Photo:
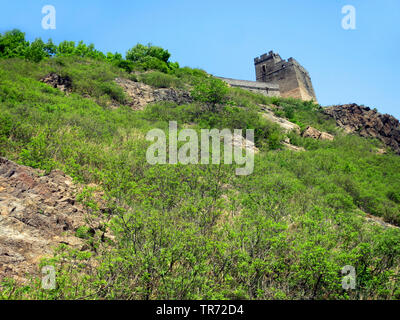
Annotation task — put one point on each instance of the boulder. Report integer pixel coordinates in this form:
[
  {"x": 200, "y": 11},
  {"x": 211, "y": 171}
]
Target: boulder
[
  {"x": 56, "y": 81},
  {"x": 311, "y": 132}
]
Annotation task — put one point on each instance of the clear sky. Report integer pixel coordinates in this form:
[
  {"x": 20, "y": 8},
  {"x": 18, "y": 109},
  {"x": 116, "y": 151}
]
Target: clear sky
[{"x": 223, "y": 37}]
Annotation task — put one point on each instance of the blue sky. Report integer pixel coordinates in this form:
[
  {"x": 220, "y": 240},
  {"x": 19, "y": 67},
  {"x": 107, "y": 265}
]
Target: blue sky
[{"x": 223, "y": 37}]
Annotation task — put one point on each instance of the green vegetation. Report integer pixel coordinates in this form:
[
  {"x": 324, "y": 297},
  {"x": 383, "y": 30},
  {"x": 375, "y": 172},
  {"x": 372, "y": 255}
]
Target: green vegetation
[
  {"x": 198, "y": 231},
  {"x": 151, "y": 58},
  {"x": 161, "y": 80},
  {"x": 140, "y": 57},
  {"x": 304, "y": 114},
  {"x": 212, "y": 92}
]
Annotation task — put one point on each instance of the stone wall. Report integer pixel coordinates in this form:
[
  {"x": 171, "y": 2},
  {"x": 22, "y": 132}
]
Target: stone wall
[{"x": 267, "y": 89}]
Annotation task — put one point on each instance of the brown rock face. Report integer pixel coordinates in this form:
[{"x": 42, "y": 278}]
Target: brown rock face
[
  {"x": 367, "y": 123},
  {"x": 56, "y": 81},
  {"x": 285, "y": 124},
  {"x": 37, "y": 213},
  {"x": 142, "y": 94},
  {"x": 311, "y": 132}
]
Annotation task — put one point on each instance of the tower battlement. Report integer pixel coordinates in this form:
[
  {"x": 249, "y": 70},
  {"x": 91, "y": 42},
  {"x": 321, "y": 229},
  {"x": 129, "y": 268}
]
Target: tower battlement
[
  {"x": 276, "y": 77},
  {"x": 293, "y": 79},
  {"x": 269, "y": 56}
]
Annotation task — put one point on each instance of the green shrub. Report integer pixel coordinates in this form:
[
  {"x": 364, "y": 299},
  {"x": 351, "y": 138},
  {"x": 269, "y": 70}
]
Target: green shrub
[
  {"x": 114, "y": 91},
  {"x": 151, "y": 58},
  {"x": 13, "y": 44},
  {"x": 38, "y": 154},
  {"x": 84, "y": 232},
  {"x": 139, "y": 52},
  {"x": 210, "y": 91},
  {"x": 394, "y": 196},
  {"x": 161, "y": 80}
]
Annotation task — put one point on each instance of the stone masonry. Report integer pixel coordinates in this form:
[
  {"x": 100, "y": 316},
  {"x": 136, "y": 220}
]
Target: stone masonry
[
  {"x": 293, "y": 80},
  {"x": 278, "y": 78},
  {"x": 267, "y": 89}
]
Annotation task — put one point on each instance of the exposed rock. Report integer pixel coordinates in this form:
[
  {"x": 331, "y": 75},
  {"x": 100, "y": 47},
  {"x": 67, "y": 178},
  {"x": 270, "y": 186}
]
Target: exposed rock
[
  {"x": 240, "y": 141},
  {"x": 286, "y": 143},
  {"x": 367, "y": 123},
  {"x": 169, "y": 94},
  {"x": 293, "y": 147},
  {"x": 379, "y": 221},
  {"x": 381, "y": 151},
  {"x": 37, "y": 213},
  {"x": 285, "y": 124},
  {"x": 142, "y": 94},
  {"x": 326, "y": 136},
  {"x": 311, "y": 132},
  {"x": 57, "y": 81}
]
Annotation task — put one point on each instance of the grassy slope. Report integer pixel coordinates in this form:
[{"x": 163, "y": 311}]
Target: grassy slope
[{"x": 199, "y": 231}]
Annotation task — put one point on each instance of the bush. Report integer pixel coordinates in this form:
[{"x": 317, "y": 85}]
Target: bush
[
  {"x": 114, "y": 91},
  {"x": 210, "y": 91},
  {"x": 139, "y": 52},
  {"x": 128, "y": 66},
  {"x": 38, "y": 154},
  {"x": 151, "y": 63},
  {"x": 13, "y": 44},
  {"x": 150, "y": 58},
  {"x": 161, "y": 80}
]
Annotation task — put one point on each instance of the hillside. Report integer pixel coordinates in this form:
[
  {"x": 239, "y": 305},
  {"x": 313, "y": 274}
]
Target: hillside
[{"x": 319, "y": 198}]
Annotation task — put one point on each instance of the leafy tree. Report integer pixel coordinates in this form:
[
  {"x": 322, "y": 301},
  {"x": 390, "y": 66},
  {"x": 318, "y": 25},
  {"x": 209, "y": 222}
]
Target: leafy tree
[
  {"x": 150, "y": 57},
  {"x": 50, "y": 48},
  {"x": 13, "y": 44},
  {"x": 36, "y": 51},
  {"x": 139, "y": 52},
  {"x": 210, "y": 91},
  {"x": 66, "y": 48}
]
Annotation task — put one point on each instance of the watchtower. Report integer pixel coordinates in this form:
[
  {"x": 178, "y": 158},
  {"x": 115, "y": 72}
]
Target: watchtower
[{"x": 293, "y": 80}]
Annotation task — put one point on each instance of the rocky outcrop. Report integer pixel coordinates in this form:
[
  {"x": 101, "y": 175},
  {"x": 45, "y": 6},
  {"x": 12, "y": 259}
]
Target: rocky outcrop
[
  {"x": 311, "y": 132},
  {"x": 367, "y": 123},
  {"x": 57, "y": 81},
  {"x": 37, "y": 213},
  {"x": 379, "y": 221},
  {"x": 285, "y": 124},
  {"x": 238, "y": 141},
  {"x": 141, "y": 94}
]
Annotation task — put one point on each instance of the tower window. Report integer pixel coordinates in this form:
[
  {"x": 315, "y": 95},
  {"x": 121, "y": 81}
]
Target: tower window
[{"x": 264, "y": 69}]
